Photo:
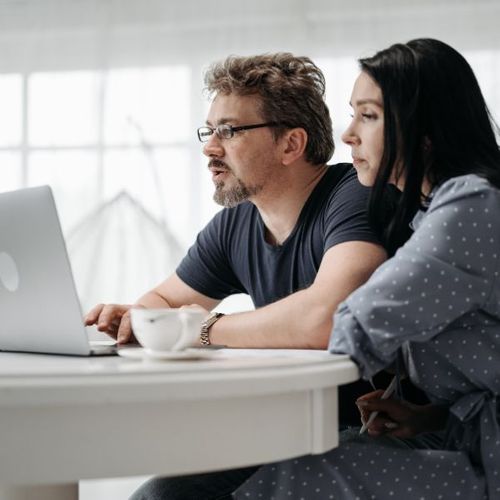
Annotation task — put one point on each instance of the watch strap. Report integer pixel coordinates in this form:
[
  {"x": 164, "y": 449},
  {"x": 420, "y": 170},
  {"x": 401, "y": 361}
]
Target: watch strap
[{"x": 205, "y": 327}]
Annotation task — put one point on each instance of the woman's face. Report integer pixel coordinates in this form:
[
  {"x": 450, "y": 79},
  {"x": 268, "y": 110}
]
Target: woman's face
[{"x": 365, "y": 134}]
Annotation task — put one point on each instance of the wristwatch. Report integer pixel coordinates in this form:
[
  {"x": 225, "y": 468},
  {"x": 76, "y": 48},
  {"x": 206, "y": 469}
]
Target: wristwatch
[{"x": 205, "y": 327}]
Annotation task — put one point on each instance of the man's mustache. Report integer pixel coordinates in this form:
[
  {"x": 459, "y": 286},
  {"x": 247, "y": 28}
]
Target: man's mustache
[{"x": 218, "y": 164}]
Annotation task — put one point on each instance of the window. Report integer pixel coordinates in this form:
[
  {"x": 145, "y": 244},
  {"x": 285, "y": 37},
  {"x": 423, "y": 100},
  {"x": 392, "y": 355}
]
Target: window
[{"x": 90, "y": 134}]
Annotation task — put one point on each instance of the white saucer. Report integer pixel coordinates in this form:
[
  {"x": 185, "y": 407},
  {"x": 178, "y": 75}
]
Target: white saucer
[{"x": 142, "y": 353}]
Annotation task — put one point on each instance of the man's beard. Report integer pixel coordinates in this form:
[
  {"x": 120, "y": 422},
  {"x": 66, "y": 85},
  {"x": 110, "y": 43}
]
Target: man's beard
[{"x": 231, "y": 197}]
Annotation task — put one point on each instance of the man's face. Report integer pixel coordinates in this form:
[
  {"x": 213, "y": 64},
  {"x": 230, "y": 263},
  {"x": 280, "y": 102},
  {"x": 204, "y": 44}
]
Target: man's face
[{"x": 242, "y": 165}]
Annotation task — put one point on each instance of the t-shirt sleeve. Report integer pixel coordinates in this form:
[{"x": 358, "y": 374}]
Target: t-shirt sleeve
[
  {"x": 206, "y": 267},
  {"x": 446, "y": 270},
  {"x": 346, "y": 217}
]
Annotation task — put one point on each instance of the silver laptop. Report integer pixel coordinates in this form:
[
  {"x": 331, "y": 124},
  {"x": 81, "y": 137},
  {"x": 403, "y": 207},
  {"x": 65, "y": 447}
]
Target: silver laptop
[{"x": 39, "y": 306}]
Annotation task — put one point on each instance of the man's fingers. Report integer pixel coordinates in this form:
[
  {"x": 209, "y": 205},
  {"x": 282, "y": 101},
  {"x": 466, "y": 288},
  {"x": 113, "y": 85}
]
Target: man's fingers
[
  {"x": 112, "y": 319},
  {"x": 112, "y": 331},
  {"x": 111, "y": 315},
  {"x": 125, "y": 329},
  {"x": 92, "y": 316},
  {"x": 108, "y": 315}
]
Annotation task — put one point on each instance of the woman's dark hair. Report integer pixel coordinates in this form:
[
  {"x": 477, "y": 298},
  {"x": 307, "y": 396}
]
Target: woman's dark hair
[{"x": 436, "y": 125}]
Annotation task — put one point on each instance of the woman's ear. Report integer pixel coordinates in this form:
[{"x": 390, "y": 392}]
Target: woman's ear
[{"x": 294, "y": 145}]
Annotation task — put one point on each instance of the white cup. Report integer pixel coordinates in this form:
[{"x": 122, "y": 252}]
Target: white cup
[{"x": 166, "y": 329}]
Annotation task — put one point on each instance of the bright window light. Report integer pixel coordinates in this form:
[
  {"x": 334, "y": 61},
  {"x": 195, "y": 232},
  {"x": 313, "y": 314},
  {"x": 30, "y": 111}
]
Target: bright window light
[
  {"x": 11, "y": 110},
  {"x": 159, "y": 180},
  {"x": 340, "y": 75},
  {"x": 10, "y": 171},
  {"x": 63, "y": 108},
  {"x": 73, "y": 176},
  {"x": 147, "y": 106},
  {"x": 486, "y": 66}
]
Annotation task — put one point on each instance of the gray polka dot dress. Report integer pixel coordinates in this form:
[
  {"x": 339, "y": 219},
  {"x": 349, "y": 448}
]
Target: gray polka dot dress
[{"x": 436, "y": 305}]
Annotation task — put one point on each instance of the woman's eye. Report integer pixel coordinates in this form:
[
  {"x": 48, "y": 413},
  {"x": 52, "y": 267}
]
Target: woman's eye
[{"x": 368, "y": 116}]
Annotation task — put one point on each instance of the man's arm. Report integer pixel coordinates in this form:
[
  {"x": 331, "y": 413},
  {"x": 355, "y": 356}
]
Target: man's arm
[
  {"x": 114, "y": 319},
  {"x": 304, "y": 319}
]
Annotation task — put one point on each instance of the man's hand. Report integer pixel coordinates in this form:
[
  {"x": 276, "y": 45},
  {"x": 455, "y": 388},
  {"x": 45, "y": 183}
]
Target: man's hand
[
  {"x": 113, "y": 319},
  {"x": 400, "y": 418}
]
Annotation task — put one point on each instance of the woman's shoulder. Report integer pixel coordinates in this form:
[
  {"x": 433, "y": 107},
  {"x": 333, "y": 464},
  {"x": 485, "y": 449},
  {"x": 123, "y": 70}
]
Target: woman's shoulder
[
  {"x": 463, "y": 184},
  {"x": 465, "y": 187},
  {"x": 466, "y": 198}
]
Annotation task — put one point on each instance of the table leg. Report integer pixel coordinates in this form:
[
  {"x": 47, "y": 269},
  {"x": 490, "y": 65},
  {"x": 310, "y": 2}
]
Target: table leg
[{"x": 40, "y": 492}]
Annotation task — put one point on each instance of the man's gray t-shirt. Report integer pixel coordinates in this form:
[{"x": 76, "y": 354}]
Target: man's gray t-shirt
[{"x": 231, "y": 255}]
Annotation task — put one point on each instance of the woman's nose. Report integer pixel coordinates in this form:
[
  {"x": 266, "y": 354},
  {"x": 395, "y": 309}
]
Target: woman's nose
[{"x": 349, "y": 136}]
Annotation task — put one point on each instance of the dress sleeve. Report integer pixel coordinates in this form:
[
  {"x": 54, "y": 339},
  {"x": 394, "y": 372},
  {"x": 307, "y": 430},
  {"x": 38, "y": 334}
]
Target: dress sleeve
[{"x": 446, "y": 269}]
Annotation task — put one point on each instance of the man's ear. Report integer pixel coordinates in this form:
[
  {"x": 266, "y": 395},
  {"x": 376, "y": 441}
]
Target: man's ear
[{"x": 294, "y": 145}]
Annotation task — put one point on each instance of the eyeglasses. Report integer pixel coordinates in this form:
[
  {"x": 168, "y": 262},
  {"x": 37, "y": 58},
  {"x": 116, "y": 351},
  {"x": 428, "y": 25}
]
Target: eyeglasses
[{"x": 227, "y": 131}]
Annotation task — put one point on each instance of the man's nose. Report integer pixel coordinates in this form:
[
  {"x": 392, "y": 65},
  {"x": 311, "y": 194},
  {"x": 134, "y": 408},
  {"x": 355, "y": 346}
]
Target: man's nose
[{"x": 213, "y": 147}]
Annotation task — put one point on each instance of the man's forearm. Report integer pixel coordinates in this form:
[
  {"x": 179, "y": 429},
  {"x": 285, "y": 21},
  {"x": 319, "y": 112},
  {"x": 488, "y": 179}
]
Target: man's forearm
[
  {"x": 296, "y": 322},
  {"x": 304, "y": 319},
  {"x": 152, "y": 300}
]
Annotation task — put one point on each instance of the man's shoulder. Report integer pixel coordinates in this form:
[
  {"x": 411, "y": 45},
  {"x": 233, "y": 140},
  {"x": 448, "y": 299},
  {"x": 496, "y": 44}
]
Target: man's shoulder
[
  {"x": 341, "y": 179},
  {"x": 340, "y": 175}
]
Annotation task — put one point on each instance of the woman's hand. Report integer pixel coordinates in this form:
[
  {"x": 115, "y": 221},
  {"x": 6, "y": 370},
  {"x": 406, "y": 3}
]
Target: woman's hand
[{"x": 400, "y": 418}]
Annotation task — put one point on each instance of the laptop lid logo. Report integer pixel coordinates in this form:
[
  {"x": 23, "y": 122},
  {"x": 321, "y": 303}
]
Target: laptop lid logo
[{"x": 9, "y": 275}]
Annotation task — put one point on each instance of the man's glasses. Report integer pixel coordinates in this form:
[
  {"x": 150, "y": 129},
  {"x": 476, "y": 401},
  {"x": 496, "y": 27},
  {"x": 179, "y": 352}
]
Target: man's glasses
[{"x": 227, "y": 131}]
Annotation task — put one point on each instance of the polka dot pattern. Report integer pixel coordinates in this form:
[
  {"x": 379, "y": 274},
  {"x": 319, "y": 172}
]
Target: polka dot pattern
[{"x": 398, "y": 470}]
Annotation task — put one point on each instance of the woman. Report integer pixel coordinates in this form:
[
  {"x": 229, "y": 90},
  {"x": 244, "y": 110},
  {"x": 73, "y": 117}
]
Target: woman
[{"x": 433, "y": 310}]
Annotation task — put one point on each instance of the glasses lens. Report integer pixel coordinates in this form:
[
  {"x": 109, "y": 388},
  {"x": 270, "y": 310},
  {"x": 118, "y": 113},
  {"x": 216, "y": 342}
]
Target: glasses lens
[
  {"x": 204, "y": 133},
  {"x": 225, "y": 131}
]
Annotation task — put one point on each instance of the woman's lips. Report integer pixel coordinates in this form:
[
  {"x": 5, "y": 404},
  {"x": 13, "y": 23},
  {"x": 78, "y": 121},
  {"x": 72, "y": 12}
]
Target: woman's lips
[{"x": 357, "y": 161}]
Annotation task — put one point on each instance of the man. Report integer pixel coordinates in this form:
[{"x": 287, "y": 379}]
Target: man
[{"x": 293, "y": 233}]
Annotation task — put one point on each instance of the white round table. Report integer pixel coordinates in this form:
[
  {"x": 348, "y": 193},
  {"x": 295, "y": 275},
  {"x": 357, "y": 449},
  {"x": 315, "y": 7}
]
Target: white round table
[{"x": 65, "y": 418}]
